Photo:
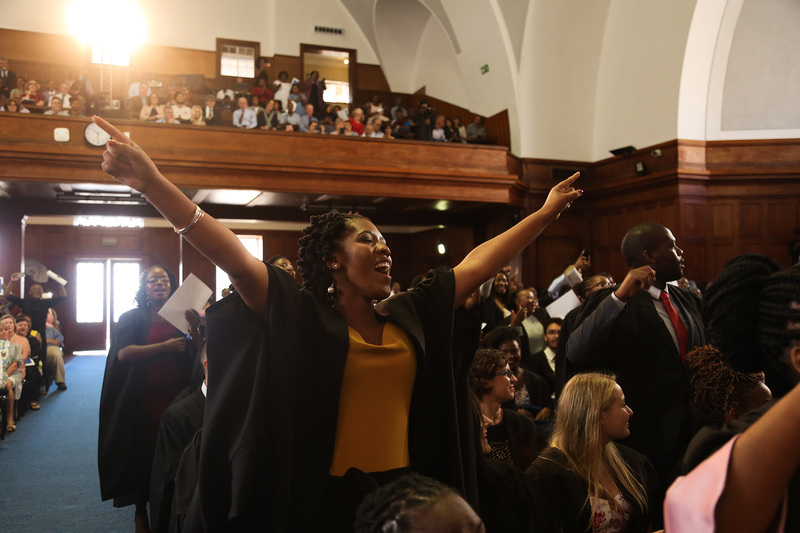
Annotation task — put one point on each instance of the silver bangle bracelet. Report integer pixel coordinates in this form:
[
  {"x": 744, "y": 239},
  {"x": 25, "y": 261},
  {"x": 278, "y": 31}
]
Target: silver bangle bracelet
[{"x": 198, "y": 214}]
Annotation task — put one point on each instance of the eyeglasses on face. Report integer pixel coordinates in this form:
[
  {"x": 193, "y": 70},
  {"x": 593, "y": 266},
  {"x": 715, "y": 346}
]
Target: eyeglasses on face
[
  {"x": 153, "y": 281},
  {"x": 507, "y": 373},
  {"x": 603, "y": 285}
]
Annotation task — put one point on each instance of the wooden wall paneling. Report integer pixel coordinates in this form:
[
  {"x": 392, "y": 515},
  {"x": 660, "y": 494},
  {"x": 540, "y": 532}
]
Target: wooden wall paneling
[
  {"x": 781, "y": 215},
  {"x": 371, "y": 78},
  {"x": 750, "y": 219},
  {"x": 693, "y": 219},
  {"x": 11, "y": 244},
  {"x": 721, "y": 252},
  {"x": 694, "y": 260},
  {"x": 197, "y": 157},
  {"x": 291, "y": 64},
  {"x": 723, "y": 223}
]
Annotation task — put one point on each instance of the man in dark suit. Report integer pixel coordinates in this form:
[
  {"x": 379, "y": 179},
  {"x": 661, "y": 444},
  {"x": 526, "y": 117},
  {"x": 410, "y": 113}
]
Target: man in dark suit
[
  {"x": 544, "y": 363},
  {"x": 8, "y": 79},
  {"x": 213, "y": 117},
  {"x": 136, "y": 103},
  {"x": 641, "y": 331}
]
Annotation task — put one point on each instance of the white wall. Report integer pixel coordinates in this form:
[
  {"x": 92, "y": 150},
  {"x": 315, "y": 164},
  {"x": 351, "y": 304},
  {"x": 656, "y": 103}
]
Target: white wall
[
  {"x": 279, "y": 25},
  {"x": 578, "y": 78},
  {"x": 638, "y": 80},
  {"x": 762, "y": 85},
  {"x": 558, "y": 78}
]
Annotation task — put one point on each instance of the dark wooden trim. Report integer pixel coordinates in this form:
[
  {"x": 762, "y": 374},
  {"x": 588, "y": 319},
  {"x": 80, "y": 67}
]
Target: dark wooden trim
[
  {"x": 352, "y": 70},
  {"x": 222, "y": 41}
]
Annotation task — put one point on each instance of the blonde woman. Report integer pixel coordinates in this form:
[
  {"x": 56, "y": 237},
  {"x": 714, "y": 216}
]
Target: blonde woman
[
  {"x": 593, "y": 483},
  {"x": 197, "y": 116}
]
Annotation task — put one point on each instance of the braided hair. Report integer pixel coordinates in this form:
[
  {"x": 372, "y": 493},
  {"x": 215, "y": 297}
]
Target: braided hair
[
  {"x": 387, "y": 509},
  {"x": 748, "y": 311},
  {"x": 319, "y": 241},
  {"x": 717, "y": 387}
]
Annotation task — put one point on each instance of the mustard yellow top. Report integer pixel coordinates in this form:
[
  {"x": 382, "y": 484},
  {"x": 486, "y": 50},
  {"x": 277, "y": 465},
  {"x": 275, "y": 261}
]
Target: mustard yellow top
[{"x": 372, "y": 427}]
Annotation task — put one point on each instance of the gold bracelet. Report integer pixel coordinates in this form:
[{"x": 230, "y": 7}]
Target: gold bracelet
[{"x": 198, "y": 214}]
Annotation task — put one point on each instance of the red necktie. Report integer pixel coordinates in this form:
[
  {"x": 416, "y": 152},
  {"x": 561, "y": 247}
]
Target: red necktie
[{"x": 677, "y": 323}]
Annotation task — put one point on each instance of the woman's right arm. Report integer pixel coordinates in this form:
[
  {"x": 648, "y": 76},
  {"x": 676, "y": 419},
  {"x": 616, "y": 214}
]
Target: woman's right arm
[
  {"x": 764, "y": 459},
  {"x": 129, "y": 164},
  {"x": 134, "y": 353}
]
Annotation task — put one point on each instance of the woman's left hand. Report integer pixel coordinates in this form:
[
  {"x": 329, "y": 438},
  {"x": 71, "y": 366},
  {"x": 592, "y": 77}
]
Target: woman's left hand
[{"x": 562, "y": 195}]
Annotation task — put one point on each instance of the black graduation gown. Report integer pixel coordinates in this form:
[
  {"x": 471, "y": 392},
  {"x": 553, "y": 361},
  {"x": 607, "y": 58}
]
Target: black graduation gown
[
  {"x": 179, "y": 423},
  {"x": 123, "y": 459},
  {"x": 268, "y": 444},
  {"x": 566, "y": 493}
]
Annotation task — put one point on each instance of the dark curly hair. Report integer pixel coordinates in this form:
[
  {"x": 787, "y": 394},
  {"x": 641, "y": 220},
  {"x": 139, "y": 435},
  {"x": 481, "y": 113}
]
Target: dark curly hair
[
  {"x": 141, "y": 294},
  {"x": 387, "y": 508},
  {"x": 717, "y": 387},
  {"x": 500, "y": 335},
  {"x": 320, "y": 239},
  {"x": 748, "y": 310},
  {"x": 487, "y": 361}
]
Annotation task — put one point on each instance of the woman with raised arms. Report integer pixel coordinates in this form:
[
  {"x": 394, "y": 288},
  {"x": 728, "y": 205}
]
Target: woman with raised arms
[{"x": 382, "y": 394}]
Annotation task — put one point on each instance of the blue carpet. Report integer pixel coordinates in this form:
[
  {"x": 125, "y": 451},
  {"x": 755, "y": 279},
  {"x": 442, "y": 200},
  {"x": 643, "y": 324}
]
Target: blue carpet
[{"x": 49, "y": 464}]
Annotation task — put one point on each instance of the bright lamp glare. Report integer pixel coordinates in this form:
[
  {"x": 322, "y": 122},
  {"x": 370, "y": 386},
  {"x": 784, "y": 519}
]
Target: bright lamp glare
[
  {"x": 118, "y": 24},
  {"x": 441, "y": 249}
]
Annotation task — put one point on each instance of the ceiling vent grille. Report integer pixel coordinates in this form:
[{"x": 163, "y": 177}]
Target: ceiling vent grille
[{"x": 325, "y": 29}]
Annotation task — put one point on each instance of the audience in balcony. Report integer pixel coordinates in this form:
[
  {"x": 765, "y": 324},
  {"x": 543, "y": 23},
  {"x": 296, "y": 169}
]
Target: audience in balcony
[
  {"x": 282, "y": 87},
  {"x": 313, "y": 90},
  {"x": 55, "y": 108},
  {"x": 462, "y": 130},
  {"x": 290, "y": 117},
  {"x": 13, "y": 107},
  {"x": 63, "y": 93},
  {"x": 197, "y": 116},
  {"x": 307, "y": 119},
  {"x": 169, "y": 117},
  {"x": 152, "y": 111},
  {"x": 183, "y": 113},
  {"x": 212, "y": 116},
  {"x": 270, "y": 116},
  {"x": 136, "y": 103},
  {"x": 263, "y": 92},
  {"x": 451, "y": 133},
  {"x": 8, "y": 79},
  {"x": 32, "y": 96},
  {"x": 267, "y": 107},
  {"x": 299, "y": 98},
  {"x": 398, "y": 106},
  {"x": 422, "y": 122},
  {"x": 476, "y": 133},
  {"x": 244, "y": 117},
  {"x": 225, "y": 92},
  {"x": 357, "y": 121},
  {"x": 438, "y": 130},
  {"x": 375, "y": 109}
]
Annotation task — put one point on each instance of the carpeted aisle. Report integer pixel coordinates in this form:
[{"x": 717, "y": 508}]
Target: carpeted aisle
[{"x": 49, "y": 464}]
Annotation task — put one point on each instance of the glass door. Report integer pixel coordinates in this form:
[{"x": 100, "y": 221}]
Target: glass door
[{"x": 104, "y": 289}]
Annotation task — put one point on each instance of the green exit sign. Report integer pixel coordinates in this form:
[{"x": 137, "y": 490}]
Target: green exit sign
[{"x": 484, "y": 69}]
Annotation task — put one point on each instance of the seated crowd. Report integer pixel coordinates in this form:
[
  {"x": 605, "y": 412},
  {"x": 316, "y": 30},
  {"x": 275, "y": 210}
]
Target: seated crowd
[
  {"x": 32, "y": 355},
  {"x": 281, "y": 106}
]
